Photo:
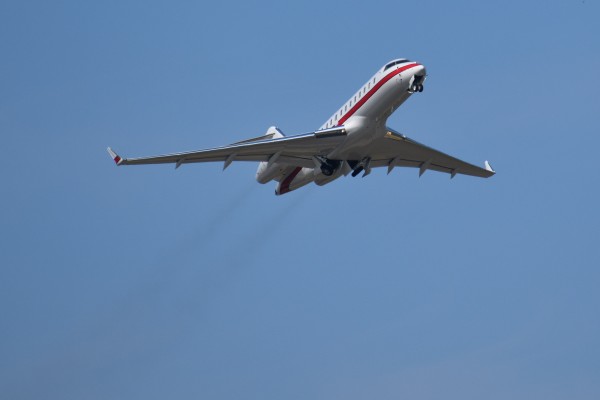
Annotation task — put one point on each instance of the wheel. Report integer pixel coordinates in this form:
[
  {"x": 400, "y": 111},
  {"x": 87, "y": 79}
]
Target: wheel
[
  {"x": 326, "y": 170},
  {"x": 357, "y": 171},
  {"x": 420, "y": 88}
]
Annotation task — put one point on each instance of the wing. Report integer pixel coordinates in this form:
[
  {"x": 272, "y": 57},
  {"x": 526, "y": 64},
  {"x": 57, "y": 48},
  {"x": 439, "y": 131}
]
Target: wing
[
  {"x": 397, "y": 150},
  {"x": 294, "y": 150}
]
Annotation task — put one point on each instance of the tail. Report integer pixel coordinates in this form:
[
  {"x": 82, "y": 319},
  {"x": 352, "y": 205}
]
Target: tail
[{"x": 273, "y": 133}]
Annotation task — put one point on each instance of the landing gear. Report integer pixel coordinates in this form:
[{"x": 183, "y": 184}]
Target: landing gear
[
  {"x": 416, "y": 84},
  {"x": 359, "y": 166},
  {"x": 327, "y": 170},
  {"x": 328, "y": 167},
  {"x": 357, "y": 171},
  {"x": 416, "y": 88}
]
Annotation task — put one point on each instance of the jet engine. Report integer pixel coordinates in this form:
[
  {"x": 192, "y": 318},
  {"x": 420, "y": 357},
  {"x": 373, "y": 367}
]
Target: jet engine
[
  {"x": 267, "y": 173},
  {"x": 270, "y": 170},
  {"x": 296, "y": 179}
]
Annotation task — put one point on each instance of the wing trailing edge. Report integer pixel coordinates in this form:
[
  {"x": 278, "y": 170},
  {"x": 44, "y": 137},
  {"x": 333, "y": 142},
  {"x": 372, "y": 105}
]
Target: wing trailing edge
[{"x": 293, "y": 150}]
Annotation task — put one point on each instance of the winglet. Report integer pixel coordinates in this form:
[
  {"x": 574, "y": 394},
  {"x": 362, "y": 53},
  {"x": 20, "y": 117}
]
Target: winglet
[
  {"x": 488, "y": 167},
  {"x": 118, "y": 160}
]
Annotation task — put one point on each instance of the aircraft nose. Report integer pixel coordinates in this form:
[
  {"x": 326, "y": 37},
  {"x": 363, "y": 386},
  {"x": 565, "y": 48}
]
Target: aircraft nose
[{"x": 420, "y": 70}]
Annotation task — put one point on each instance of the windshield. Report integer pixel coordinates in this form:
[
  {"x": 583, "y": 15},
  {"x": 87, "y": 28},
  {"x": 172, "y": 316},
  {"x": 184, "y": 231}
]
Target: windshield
[{"x": 390, "y": 65}]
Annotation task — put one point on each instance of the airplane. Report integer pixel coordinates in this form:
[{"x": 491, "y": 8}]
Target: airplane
[{"x": 354, "y": 139}]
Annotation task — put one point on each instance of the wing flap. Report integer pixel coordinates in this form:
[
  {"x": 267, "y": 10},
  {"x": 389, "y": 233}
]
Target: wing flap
[{"x": 397, "y": 150}]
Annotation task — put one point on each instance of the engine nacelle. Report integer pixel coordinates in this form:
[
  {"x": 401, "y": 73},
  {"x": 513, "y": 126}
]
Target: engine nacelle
[
  {"x": 321, "y": 179},
  {"x": 270, "y": 170},
  {"x": 296, "y": 179},
  {"x": 266, "y": 173}
]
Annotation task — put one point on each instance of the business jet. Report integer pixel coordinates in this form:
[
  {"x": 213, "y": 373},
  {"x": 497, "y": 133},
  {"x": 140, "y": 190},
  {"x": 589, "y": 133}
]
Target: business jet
[{"x": 354, "y": 139}]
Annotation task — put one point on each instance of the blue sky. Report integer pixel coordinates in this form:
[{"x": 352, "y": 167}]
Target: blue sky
[{"x": 146, "y": 282}]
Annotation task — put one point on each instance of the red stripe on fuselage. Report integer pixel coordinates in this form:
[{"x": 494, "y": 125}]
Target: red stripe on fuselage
[
  {"x": 371, "y": 92},
  {"x": 285, "y": 185}
]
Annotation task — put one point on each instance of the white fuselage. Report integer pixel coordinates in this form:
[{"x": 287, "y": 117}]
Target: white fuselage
[
  {"x": 364, "y": 118},
  {"x": 365, "y": 114}
]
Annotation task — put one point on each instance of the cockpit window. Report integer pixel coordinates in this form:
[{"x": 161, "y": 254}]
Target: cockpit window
[{"x": 390, "y": 65}]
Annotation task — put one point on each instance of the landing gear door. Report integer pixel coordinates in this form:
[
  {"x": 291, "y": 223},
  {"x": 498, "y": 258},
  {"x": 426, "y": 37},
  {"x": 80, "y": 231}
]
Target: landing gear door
[{"x": 411, "y": 83}]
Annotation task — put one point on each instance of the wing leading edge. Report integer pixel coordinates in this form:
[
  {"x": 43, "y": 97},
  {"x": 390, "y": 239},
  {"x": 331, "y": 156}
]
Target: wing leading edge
[{"x": 296, "y": 150}]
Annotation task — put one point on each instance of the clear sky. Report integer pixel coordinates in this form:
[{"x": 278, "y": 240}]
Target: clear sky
[{"x": 151, "y": 283}]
